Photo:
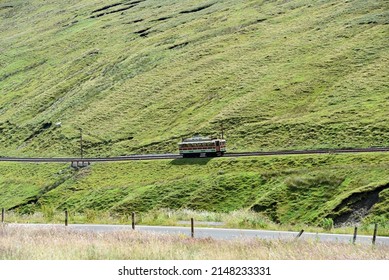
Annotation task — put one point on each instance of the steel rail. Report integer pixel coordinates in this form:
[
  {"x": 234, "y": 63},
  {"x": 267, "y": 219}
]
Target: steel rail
[
  {"x": 176, "y": 156},
  {"x": 121, "y": 158},
  {"x": 308, "y": 152}
]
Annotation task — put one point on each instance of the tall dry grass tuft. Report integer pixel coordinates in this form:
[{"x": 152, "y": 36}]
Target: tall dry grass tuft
[{"x": 60, "y": 243}]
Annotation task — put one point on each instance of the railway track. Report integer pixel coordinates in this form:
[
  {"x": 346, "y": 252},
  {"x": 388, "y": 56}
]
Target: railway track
[{"x": 176, "y": 156}]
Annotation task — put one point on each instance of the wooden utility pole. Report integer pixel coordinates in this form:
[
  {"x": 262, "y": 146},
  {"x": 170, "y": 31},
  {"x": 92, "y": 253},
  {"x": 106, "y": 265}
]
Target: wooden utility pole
[
  {"x": 222, "y": 129},
  {"x": 81, "y": 148}
]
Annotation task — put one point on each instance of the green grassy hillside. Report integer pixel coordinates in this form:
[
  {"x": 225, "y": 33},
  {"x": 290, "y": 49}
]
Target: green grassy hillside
[
  {"x": 138, "y": 75},
  {"x": 286, "y": 189}
]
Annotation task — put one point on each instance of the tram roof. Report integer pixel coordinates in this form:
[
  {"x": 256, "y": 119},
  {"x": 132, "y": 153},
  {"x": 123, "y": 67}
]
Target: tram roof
[{"x": 199, "y": 140}]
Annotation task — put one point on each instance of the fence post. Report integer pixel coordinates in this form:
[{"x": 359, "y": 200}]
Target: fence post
[
  {"x": 2, "y": 214},
  {"x": 192, "y": 227},
  {"x": 375, "y": 233},
  {"x": 300, "y": 233},
  {"x": 66, "y": 217},
  {"x": 133, "y": 220},
  {"x": 355, "y": 235}
]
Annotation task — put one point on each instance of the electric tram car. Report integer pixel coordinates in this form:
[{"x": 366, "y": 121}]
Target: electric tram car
[{"x": 202, "y": 147}]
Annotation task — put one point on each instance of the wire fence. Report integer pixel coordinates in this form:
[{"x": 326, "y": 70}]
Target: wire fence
[{"x": 192, "y": 231}]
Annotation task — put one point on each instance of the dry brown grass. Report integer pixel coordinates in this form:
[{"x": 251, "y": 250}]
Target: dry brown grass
[{"x": 59, "y": 243}]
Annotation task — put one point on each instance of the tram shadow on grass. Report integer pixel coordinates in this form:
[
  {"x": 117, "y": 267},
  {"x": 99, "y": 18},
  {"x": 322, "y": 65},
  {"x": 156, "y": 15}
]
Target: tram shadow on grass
[{"x": 190, "y": 161}]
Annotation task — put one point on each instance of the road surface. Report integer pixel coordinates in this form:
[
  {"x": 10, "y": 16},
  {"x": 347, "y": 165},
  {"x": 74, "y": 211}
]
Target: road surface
[{"x": 216, "y": 233}]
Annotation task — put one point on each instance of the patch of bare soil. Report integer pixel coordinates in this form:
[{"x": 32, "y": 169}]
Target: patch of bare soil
[{"x": 354, "y": 208}]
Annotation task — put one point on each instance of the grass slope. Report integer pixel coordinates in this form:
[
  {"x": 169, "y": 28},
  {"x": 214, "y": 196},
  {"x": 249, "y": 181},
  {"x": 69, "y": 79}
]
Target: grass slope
[
  {"x": 137, "y": 76},
  {"x": 287, "y": 189}
]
